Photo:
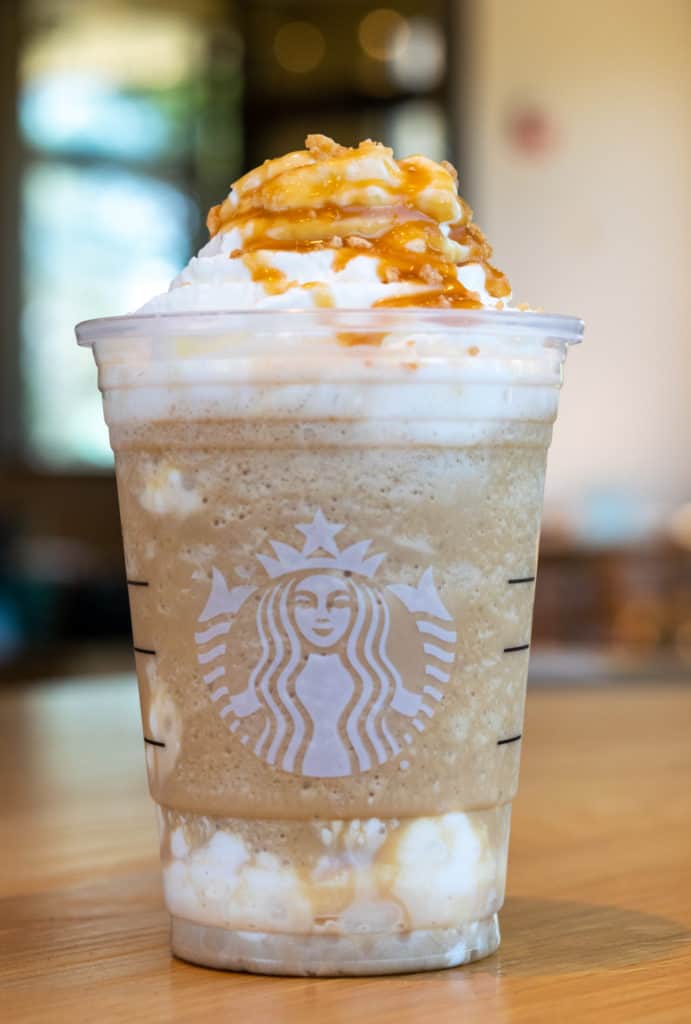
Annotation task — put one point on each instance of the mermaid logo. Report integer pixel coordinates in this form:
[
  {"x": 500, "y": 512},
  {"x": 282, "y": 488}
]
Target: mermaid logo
[{"x": 327, "y": 693}]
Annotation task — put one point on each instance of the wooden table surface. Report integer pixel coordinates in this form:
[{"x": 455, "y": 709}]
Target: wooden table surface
[{"x": 597, "y": 925}]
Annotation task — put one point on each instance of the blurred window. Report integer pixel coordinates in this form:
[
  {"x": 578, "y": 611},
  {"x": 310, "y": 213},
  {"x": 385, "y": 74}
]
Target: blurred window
[{"x": 115, "y": 114}]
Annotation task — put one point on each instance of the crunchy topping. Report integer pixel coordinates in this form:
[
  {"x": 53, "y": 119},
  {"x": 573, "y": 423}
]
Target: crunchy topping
[
  {"x": 429, "y": 275},
  {"x": 358, "y": 242},
  {"x": 214, "y": 220},
  {"x": 405, "y": 213},
  {"x": 416, "y": 245},
  {"x": 390, "y": 274},
  {"x": 323, "y": 148}
]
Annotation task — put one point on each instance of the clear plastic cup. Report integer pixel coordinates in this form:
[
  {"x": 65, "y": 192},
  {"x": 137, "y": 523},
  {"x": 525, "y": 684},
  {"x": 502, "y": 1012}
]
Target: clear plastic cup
[{"x": 330, "y": 522}]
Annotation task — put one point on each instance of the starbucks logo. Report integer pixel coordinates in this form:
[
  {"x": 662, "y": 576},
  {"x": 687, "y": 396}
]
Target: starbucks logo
[{"x": 340, "y": 682}]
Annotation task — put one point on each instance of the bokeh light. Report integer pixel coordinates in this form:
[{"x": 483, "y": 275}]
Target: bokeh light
[
  {"x": 418, "y": 55},
  {"x": 383, "y": 33},
  {"x": 299, "y": 46}
]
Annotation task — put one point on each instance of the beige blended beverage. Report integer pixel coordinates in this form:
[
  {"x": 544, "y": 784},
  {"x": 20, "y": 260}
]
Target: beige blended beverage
[{"x": 330, "y": 519}]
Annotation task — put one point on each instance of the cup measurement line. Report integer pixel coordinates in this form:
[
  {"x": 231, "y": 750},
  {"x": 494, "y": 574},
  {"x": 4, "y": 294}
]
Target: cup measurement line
[
  {"x": 154, "y": 743},
  {"x": 144, "y": 650},
  {"x": 509, "y": 739},
  {"x": 518, "y": 647},
  {"x": 523, "y": 579},
  {"x": 137, "y": 583}
]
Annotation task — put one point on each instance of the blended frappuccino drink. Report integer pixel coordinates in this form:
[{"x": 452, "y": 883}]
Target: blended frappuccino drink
[{"x": 330, "y": 443}]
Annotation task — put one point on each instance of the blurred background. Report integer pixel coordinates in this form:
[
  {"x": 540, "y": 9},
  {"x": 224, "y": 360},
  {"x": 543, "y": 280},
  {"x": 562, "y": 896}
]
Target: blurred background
[{"x": 570, "y": 126}]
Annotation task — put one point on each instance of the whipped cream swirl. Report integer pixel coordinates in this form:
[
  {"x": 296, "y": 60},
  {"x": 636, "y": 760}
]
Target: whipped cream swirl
[{"x": 333, "y": 226}]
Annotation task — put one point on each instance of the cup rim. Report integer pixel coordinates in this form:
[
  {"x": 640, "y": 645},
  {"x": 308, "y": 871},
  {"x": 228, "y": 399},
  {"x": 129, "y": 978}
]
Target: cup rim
[{"x": 567, "y": 329}]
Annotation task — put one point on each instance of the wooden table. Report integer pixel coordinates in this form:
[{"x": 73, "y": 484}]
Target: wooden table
[{"x": 597, "y": 926}]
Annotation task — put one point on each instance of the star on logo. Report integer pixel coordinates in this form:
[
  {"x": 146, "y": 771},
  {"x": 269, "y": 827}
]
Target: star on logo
[
  {"x": 320, "y": 551},
  {"x": 319, "y": 534}
]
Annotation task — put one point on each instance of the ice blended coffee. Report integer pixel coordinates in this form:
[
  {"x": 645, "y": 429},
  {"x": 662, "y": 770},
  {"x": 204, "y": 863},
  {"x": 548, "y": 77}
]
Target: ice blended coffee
[{"x": 330, "y": 440}]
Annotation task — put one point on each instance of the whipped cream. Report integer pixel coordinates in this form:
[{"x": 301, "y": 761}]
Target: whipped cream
[
  {"x": 331, "y": 226},
  {"x": 364, "y": 878}
]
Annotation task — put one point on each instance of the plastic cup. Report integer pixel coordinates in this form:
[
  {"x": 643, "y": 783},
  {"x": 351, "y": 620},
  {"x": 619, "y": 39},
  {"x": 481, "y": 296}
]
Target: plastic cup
[{"x": 330, "y": 521}]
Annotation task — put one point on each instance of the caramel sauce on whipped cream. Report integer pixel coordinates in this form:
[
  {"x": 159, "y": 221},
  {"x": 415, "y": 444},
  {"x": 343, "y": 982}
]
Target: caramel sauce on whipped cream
[{"x": 359, "y": 201}]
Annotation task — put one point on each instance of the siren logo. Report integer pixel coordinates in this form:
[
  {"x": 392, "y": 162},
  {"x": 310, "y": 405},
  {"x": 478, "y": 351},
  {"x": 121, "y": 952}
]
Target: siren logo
[{"x": 329, "y": 691}]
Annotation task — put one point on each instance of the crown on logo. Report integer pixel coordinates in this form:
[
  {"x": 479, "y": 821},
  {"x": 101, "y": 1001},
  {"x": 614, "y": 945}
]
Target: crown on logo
[{"x": 319, "y": 537}]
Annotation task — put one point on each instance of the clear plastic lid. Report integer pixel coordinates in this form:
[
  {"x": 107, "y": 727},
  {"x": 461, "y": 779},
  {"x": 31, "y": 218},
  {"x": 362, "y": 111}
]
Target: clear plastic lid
[{"x": 499, "y": 323}]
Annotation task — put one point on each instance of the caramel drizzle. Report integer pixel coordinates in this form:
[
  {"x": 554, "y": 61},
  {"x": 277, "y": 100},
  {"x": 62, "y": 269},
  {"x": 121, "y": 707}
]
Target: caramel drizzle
[
  {"x": 323, "y": 226},
  {"x": 275, "y": 282}
]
